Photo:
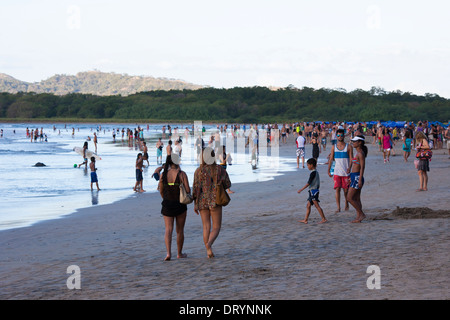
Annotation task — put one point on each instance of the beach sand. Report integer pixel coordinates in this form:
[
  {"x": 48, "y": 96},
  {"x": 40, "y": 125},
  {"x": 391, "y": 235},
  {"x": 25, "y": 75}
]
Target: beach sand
[{"x": 262, "y": 252}]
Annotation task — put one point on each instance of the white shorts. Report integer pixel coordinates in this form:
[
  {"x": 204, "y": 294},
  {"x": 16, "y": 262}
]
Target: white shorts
[{"x": 300, "y": 152}]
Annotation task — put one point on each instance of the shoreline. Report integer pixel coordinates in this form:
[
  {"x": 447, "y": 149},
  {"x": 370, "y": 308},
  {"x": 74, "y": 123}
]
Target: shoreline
[
  {"x": 100, "y": 121},
  {"x": 262, "y": 252},
  {"x": 113, "y": 196},
  {"x": 109, "y": 121},
  {"x": 57, "y": 205}
]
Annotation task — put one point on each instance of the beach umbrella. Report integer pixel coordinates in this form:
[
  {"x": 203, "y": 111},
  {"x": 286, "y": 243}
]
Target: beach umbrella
[{"x": 391, "y": 124}]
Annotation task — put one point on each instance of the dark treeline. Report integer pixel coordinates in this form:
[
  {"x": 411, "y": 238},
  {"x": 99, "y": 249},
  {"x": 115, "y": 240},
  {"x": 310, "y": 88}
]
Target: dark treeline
[{"x": 255, "y": 104}]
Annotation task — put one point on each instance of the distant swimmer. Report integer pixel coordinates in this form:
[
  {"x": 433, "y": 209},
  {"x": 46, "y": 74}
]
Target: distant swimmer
[
  {"x": 178, "y": 149},
  {"x": 159, "y": 149},
  {"x": 39, "y": 164},
  {"x": 145, "y": 151},
  {"x": 95, "y": 142}
]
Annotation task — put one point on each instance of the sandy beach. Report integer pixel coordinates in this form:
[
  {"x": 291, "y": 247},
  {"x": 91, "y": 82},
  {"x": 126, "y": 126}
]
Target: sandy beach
[{"x": 262, "y": 252}]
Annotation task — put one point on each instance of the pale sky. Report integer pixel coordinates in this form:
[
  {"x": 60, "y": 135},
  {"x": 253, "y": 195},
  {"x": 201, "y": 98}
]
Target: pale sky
[{"x": 354, "y": 44}]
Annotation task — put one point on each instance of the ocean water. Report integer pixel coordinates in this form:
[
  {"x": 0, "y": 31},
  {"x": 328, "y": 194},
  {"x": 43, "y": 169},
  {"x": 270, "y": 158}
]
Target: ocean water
[{"x": 30, "y": 194}]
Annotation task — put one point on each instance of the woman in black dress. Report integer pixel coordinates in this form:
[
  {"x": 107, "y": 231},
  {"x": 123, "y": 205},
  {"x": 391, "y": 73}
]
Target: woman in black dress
[
  {"x": 315, "y": 147},
  {"x": 172, "y": 210}
]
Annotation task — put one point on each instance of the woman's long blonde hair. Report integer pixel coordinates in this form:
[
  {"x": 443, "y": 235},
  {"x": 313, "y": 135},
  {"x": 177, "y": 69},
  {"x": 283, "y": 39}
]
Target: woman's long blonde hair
[{"x": 420, "y": 136}]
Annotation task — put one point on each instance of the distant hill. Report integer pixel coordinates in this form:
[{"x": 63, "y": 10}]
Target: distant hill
[{"x": 94, "y": 82}]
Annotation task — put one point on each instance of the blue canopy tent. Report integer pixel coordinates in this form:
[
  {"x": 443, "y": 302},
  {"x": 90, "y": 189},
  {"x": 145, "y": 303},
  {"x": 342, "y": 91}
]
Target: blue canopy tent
[{"x": 393, "y": 124}]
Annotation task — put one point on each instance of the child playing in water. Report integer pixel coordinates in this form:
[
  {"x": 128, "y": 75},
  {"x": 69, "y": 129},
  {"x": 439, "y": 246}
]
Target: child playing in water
[
  {"x": 313, "y": 184},
  {"x": 93, "y": 173}
]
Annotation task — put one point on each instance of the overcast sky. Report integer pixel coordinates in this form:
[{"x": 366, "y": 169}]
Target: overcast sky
[{"x": 396, "y": 45}]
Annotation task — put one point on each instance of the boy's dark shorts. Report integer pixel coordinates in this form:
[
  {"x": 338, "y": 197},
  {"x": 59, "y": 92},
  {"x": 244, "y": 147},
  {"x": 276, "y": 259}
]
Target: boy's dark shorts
[
  {"x": 139, "y": 175},
  {"x": 94, "y": 177},
  {"x": 313, "y": 196}
]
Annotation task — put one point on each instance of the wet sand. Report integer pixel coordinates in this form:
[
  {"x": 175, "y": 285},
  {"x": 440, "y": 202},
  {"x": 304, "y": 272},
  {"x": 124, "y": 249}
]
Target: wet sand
[{"x": 262, "y": 252}]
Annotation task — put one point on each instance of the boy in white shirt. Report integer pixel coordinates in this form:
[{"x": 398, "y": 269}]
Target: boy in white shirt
[{"x": 300, "y": 149}]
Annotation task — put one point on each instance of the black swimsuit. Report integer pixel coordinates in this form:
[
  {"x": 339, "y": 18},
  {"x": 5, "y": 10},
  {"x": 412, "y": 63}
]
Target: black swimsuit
[{"x": 171, "y": 206}]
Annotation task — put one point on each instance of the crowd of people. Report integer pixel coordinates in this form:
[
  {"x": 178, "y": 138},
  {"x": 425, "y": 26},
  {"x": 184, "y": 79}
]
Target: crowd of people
[{"x": 346, "y": 164}]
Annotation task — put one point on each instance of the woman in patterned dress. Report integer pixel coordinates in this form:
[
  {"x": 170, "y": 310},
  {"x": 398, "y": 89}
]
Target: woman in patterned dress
[{"x": 204, "y": 194}]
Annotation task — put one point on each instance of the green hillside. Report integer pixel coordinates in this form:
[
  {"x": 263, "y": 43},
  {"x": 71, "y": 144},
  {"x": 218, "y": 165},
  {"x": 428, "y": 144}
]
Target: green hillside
[
  {"x": 93, "y": 82},
  {"x": 255, "y": 104}
]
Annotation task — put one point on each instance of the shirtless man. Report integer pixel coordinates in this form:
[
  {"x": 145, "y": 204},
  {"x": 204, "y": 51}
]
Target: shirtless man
[
  {"x": 94, "y": 178},
  {"x": 169, "y": 148},
  {"x": 145, "y": 151},
  {"x": 95, "y": 142},
  {"x": 323, "y": 139},
  {"x": 308, "y": 131},
  {"x": 283, "y": 134},
  {"x": 138, "y": 187}
]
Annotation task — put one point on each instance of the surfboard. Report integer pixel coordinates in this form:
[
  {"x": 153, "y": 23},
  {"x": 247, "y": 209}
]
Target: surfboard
[{"x": 89, "y": 153}]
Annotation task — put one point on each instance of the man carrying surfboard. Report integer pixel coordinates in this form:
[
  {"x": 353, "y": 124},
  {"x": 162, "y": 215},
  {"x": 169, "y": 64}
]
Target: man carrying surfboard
[{"x": 85, "y": 147}]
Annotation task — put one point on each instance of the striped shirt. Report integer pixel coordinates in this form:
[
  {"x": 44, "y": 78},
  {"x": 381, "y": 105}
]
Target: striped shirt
[{"x": 342, "y": 160}]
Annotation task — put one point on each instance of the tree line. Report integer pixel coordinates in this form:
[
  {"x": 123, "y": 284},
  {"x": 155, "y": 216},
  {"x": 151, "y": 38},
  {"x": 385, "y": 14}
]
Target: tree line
[{"x": 240, "y": 104}]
